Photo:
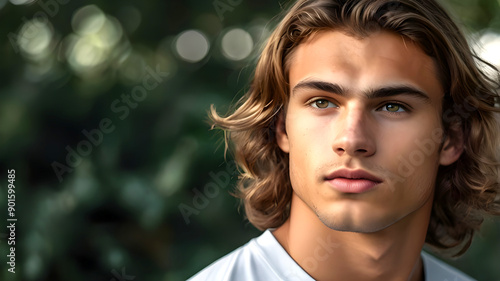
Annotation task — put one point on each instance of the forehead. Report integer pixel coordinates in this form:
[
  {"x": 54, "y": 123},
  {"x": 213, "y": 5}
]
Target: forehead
[{"x": 380, "y": 59}]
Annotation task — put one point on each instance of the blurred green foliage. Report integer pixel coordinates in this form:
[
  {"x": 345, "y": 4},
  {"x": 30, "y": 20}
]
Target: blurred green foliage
[{"x": 106, "y": 163}]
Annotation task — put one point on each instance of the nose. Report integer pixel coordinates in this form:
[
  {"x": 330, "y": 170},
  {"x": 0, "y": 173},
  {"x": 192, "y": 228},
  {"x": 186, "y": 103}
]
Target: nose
[{"x": 354, "y": 133}]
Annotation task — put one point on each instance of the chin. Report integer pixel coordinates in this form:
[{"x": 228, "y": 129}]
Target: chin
[{"x": 363, "y": 225}]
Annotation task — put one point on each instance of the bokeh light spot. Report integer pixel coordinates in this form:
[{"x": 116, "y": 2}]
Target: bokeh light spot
[
  {"x": 33, "y": 266},
  {"x": 192, "y": 46},
  {"x": 88, "y": 20},
  {"x": 237, "y": 44},
  {"x": 21, "y": 2},
  {"x": 97, "y": 41},
  {"x": 490, "y": 50},
  {"x": 486, "y": 46},
  {"x": 34, "y": 38},
  {"x": 115, "y": 257},
  {"x": 85, "y": 55},
  {"x": 110, "y": 33}
]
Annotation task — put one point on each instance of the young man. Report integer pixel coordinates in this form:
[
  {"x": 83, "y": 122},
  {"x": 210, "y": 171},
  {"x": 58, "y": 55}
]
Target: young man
[{"x": 368, "y": 131}]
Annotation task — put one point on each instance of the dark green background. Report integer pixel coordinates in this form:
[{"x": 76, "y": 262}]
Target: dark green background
[{"x": 118, "y": 210}]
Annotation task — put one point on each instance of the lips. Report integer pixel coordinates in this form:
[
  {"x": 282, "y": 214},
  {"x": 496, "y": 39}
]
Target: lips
[{"x": 352, "y": 181}]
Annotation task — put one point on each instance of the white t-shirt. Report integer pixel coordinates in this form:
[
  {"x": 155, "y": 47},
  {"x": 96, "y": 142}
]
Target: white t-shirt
[{"x": 264, "y": 259}]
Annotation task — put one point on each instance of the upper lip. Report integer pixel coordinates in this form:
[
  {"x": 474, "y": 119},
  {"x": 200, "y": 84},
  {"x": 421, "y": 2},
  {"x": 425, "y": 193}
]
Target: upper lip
[{"x": 352, "y": 174}]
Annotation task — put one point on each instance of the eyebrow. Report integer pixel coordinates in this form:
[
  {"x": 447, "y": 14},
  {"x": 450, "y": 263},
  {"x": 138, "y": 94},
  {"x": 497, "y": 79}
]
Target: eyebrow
[{"x": 383, "y": 92}]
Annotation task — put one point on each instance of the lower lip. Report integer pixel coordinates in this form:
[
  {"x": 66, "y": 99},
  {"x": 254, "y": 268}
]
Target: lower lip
[{"x": 352, "y": 185}]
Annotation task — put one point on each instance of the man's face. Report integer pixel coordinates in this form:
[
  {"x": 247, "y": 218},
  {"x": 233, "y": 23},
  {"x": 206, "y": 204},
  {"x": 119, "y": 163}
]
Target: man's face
[{"x": 363, "y": 129}]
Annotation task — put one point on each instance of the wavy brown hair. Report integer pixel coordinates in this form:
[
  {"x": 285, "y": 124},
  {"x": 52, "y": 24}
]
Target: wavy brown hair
[{"x": 465, "y": 191}]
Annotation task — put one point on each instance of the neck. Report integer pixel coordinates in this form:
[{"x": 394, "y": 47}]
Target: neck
[{"x": 389, "y": 254}]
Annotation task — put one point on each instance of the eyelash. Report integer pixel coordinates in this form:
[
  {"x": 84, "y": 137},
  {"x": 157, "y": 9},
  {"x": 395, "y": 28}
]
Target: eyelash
[
  {"x": 312, "y": 103},
  {"x": 403, "y": 106}
]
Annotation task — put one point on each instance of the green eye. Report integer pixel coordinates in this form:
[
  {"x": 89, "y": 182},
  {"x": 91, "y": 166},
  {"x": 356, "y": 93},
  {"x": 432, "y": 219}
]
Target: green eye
[
  {"x": 394, "y": 107},
  {"x": 322, "y": 103}
]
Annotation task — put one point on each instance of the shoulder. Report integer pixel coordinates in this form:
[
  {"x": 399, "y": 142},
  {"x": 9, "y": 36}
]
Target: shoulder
[
  {"x": 227, "y": 267},
  {"x": 436, "y": 270},
  {"x": 240, "y": 263},
  {"x": 262, "y": 258}
]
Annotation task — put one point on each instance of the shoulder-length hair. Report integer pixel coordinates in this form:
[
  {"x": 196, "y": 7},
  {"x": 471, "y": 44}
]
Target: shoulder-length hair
[{"x": 465, "y": 191}]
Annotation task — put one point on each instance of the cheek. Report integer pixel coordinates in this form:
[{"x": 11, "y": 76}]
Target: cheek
[
  {"x": 301, "y": 154},
  {"x": 309, "y": 148},
  {"x": 308, "y": 134},
  {"x": 412, "y": 154},
  {"x": 305, "y": 157},
  {"x": 416, "y": 160},
  {"x": 299, "y": 177},
  {"x": 422, "y": 183},
  {"x": 418, "y": 141}
]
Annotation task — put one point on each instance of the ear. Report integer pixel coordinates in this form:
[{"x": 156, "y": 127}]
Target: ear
[
  {"x": 452, "y": 148},
  {"x": 281, "y": 135}
]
